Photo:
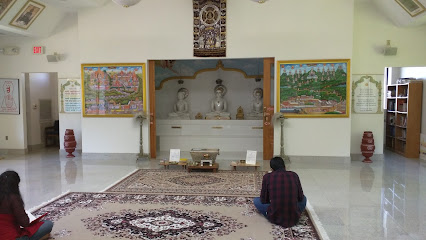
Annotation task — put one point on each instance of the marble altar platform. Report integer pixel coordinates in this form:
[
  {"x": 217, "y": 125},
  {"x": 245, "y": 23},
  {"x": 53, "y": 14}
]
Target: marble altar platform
[{"x": 226, "y": 135}]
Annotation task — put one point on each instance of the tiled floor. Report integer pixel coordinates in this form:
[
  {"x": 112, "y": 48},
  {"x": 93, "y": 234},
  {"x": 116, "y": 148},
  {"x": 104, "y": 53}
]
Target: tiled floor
[{"x": 382, "y": 200}]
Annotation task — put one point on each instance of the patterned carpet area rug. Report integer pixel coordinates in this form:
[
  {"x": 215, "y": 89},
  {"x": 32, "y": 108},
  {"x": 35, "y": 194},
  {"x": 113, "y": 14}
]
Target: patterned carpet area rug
[
  {"x": 223, "y": 183},
  {"x": 157, "y": 216}
]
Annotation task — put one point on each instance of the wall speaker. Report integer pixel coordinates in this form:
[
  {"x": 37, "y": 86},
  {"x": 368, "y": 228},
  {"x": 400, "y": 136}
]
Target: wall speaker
[
  {"x": 53, "y": 58},
  {"x": 390, "y": 51}
]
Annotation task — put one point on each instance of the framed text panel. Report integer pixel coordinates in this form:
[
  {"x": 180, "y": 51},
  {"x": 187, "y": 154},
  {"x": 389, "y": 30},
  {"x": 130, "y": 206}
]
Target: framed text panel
[
  {"x": 70, "y": 92},
  {"x": 367, "y": 93}
]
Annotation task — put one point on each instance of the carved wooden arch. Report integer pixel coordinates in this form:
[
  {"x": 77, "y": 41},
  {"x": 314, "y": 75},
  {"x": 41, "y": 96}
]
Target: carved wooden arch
[{"x": 219, "y": 65}]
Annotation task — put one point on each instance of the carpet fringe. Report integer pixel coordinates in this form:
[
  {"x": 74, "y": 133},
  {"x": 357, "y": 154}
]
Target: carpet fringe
[
  {"x": 317, "y": 223},
  {"x": 119, "y": 180},
  {"x": 47, "y": 202}
]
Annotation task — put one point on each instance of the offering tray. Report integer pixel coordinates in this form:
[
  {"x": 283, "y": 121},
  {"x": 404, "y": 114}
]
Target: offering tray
[{"x": 199, "y": 154}]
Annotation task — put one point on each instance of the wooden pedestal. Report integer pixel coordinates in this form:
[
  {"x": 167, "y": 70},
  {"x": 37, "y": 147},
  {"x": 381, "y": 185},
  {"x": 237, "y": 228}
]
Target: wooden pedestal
[
  {"x": 235, "y": 165},
  {"x": 213, "y": 168}
]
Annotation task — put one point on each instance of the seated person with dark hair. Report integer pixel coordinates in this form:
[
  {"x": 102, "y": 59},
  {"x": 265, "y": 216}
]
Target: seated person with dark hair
[{"x": 281, "y": 199}]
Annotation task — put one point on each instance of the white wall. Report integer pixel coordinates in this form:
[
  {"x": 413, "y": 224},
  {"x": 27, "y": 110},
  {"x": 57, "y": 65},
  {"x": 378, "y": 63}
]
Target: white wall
[
  {"x": 326, "y": 29},
  {"x": 64, "y": 41},
  {"x": 14, "y": 126},
  {"x": 275, "y": 29},
  {"x": 371, "y": 30}
]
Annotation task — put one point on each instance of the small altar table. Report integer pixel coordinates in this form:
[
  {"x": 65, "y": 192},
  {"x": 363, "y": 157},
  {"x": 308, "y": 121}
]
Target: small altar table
[
  {"x": 167, "y": 164},
  {"x": 234, "y": 165},
  {"x": 213, "y": 167}
]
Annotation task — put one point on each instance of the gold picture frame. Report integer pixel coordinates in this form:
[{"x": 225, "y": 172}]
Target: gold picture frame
[
  {"x": 5, "y": 5},
  {"x": 412, "y": 7},
  {"x": 113, "y": 89},
  {"x": 313, "y": 88},
  {"x": 27, "y": 15}
]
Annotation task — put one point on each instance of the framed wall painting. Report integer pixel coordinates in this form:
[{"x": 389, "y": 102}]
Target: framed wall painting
[
  {"x": 5, "y": 5},
  {"x": 367, "y": 93},
  {"x": 113, "y": 89},
  {"x": 412, "y": 7},
  {"x": 9, "y": 96},
  {"x": 26, "y": 16},
  {"x": 313, "y": 88}
]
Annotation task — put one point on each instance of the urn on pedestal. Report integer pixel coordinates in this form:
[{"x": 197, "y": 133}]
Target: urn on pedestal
[
  {"x": 367, "y": 146},
  {"x": 69, "y": 142}
]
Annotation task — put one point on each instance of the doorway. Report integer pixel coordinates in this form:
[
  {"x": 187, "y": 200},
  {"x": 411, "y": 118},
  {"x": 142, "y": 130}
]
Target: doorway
[
  {"x": 41, "y": 98},
  {"x": 185, "y": 74}
]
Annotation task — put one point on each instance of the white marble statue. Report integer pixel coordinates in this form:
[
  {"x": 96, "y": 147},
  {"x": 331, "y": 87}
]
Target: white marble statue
[
  {"x": 219, "y": 105},
  {"x": 257, "y": 105},
  {"x": 181, "y": 108}
]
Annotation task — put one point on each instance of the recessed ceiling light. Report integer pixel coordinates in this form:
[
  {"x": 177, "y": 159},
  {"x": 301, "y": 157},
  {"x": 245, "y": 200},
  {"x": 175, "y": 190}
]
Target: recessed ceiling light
[
  {"x": 126, "y": 3},
  {"x": 260, "y": 1}
]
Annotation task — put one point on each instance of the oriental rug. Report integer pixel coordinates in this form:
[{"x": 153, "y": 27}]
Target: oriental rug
[
  {"x": 221, "y": 183},
  {"x": 78, "y": 215}
]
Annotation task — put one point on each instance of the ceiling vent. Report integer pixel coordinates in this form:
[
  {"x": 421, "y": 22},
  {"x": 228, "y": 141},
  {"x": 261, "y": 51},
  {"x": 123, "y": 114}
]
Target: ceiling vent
[{"x": 412, "y": 7}]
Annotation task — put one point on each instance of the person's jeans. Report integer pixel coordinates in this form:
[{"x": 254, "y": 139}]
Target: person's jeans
[
  {"x": 43, "y": 230},
  {"x": 302, "y": 204},
  {"x": 263, "y": 207}
]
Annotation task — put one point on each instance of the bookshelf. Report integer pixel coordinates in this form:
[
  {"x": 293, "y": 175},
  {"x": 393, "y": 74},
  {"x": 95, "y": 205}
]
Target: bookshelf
[{"x": 403, "y": 118}]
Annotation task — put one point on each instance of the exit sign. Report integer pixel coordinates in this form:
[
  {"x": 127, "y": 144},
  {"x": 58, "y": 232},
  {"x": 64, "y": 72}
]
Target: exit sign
[{"x": 38, "y": 50}]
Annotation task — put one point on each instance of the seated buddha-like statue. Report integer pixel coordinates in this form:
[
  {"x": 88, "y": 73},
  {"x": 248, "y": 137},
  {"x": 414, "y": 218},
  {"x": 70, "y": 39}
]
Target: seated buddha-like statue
[
  {"x": 257, "y": 105},
  {"x": 219, "y": 105},
  {"x": 181, "y": 109}
]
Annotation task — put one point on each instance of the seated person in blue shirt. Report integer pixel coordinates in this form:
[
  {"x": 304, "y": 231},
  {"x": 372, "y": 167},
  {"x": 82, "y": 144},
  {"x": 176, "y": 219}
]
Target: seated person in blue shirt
[{"x": 281, "y": 199}]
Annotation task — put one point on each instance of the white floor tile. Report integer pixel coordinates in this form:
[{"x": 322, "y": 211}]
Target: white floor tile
[{"x": 353, "y": 200}]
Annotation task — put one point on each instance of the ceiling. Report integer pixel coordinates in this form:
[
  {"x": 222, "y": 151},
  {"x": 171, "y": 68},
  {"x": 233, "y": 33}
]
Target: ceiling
[
  {"x": 57, "y": 9},
  {"x": 397, "y": 14},
  {"x": 75, "y": 5}
]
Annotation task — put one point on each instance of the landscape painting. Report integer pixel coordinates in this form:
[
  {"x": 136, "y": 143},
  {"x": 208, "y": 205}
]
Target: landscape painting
[
  {"x": 313, "y": 88},
  {"x": 113, "y": 90}
]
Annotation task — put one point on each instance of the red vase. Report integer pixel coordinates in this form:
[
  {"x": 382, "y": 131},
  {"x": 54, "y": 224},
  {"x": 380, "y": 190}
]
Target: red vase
[
  {"x": 367, "y": 146},
  {"x": 69, "y": 142}
]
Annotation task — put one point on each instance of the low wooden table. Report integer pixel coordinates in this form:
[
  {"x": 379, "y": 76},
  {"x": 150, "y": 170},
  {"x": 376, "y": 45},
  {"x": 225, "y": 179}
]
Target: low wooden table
[
  {"x": 213, "y": 167},
  {"x": 237, "y": 164},
  {"x": 167, "y": 164}
]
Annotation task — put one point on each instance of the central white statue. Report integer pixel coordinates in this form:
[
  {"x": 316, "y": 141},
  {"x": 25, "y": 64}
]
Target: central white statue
[
  {"x": 257, "y": 105},
  {"x": 219, "y": 105},
  {"x": 181, "y": 109}
]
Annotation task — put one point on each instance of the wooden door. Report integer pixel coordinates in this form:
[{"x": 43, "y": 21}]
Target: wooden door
[
  {"x": 151, "y": 119},
  {"x": 268, "y": 110}
]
